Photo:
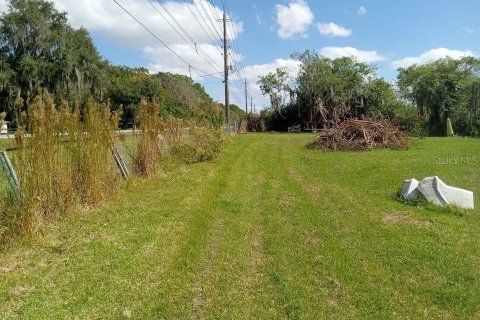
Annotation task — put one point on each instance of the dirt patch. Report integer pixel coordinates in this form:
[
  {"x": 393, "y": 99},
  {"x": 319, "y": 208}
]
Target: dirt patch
[
  {"x": 401, "y": 218},
  {"x": 258, "y": 257},
  {"x": 287, "y": 198},
  {"x": 18, "y": 290},
  {"x": 311, "y": 240}
]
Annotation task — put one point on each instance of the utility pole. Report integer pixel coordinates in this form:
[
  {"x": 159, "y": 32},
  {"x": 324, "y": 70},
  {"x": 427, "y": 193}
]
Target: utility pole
[
  {"x": 251, "y": 104},
  {"x": 246, "y": 97},
  {"x": 225, "y": 56}
]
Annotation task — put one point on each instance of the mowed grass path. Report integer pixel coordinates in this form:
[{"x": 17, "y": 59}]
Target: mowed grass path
[{"x": 270, "y": 230}]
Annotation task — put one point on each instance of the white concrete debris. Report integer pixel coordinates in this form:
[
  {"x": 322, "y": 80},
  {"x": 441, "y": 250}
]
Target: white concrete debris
[
  {"x": 435, "y": 191},
  {"x": 409, "y": 189}
]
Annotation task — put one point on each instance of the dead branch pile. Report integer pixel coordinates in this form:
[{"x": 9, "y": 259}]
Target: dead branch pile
[{"x": 362, "y": 134}]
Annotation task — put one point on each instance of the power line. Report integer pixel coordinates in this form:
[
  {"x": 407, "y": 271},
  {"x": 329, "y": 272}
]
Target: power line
[
  {"x": 188, "y": 35},
  {"x": 158, "y": 39},
  {"x": 236, "y": 59},
  {"x": 208, "y": 75},
  {"x": 233, "y": 32},
  {"x": 200, "y": 52},
  {"x": 201, "y": 25},
  {"x": 219, "y": 39},
  {"x": 212, "y": 21},
  {"x": 196, "y": 48}
]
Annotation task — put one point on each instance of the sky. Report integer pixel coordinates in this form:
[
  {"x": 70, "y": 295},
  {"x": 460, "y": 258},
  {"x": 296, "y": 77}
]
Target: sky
[{"x": 263, "y": 35}]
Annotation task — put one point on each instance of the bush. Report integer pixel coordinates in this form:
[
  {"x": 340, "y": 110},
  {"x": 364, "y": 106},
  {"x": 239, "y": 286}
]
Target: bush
[
  {"x": 281, "y": 119},
  {"x": 202, "y": 144},
  {"x": 412, "y": 123}
]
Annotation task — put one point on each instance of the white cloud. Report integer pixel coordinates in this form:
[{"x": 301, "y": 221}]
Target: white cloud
[
  {"x": 107, "y": 18},
  {"x": 430, "y": 56},
  {"x": 362, "y": 11},
  {"x": 3, "y": 6},
  {"x": 294, "y": 19},
  {"x": 469, "y": 31},
  {"x": 361, "y": 55},
  {"x": 253, "y": 73},
  {"x": 333, "y": 30}
]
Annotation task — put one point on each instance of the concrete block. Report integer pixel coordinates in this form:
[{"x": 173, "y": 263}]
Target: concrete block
[{"x": 435, "y": 191}]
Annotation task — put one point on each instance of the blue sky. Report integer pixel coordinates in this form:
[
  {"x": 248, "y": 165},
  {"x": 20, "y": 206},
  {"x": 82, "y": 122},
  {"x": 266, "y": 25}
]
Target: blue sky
[{"x": 388, "y": 34}]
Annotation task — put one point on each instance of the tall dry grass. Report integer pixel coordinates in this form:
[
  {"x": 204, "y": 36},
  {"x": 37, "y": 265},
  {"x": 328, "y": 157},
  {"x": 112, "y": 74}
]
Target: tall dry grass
[
  {"x": 173, "y": 133},
  {"x": 63, "y": 161},
  {"x": 149, "y": 148},
  {"x": 94, "y": 164}
]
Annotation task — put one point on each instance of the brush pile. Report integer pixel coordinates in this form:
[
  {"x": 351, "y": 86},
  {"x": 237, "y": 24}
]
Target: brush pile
[{"x": 362, "y": 134}]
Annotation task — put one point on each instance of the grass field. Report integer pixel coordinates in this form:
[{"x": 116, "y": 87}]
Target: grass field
[{"x": 270, "y": 230}]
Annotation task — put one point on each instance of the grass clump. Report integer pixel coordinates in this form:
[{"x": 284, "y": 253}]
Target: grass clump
[
  {"x": 64, "y": 157},
  {"x": 173, "y": 132},
  {"x": 95, "y": 168},
  {"x": 63, "y": 161},
  {"x": 148, "y": 148}
]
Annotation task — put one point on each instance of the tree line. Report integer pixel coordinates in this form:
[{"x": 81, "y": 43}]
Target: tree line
[
  {"x": 423, "y": 99},
  {"x": 41, "y": 53}
]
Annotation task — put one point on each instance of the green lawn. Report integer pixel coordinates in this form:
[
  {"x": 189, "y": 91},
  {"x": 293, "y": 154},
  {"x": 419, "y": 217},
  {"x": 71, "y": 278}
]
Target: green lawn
[{"x": 270, "y": 230}]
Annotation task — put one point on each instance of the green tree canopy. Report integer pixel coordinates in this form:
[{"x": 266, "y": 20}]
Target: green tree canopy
[
  {"x": 446, "y": 88},
  {"x": 334, "y": 88},
  {"x": 41, "y": 52},
  {"x": 327, "y": 89}
]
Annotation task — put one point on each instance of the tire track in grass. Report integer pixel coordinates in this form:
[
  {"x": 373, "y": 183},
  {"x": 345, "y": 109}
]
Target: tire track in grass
[
  {"x": 314, "y": 222},
  {"x": 240, "y": 288},
  {"x": 210, "y": 284},
  {"x": 358, "y": 288},
  {"x": 197, "y": 251},
  {"x": 199, "y": 299},
  {"x": 296, "y": 251},
  {"x": 332, "y": 224},
  {"x": 254, "y": 282}
]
